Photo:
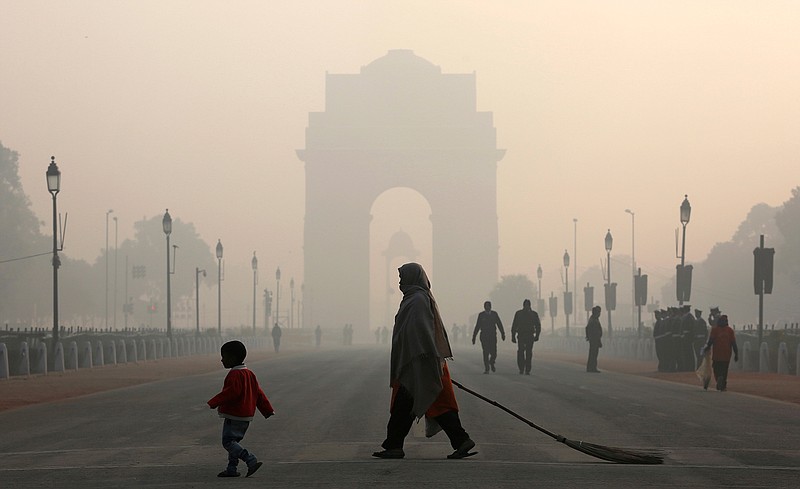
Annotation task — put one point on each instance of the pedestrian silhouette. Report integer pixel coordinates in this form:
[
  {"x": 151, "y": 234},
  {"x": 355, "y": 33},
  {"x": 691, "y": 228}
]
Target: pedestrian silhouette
[
  {"x": 594, "y": 332},
  {"x": 525, "y": 331},
  {"x": 419, "y": 377},
  {"x": 487, "y": 324}
]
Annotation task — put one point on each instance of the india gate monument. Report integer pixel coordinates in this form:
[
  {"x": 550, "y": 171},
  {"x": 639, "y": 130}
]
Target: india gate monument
[{"x": 399, "y": 123}]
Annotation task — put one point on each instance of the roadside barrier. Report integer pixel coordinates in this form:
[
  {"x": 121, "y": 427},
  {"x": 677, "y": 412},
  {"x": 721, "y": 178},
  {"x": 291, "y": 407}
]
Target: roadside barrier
[
  {"x": 24, "y": 359},
  {"x": 122, "y": 355},
  {"x": 97, "y": 357},
  {"x": 783, "y": 359},
  {"x": 41, "y": 359},
  {"x": 58, "y": 358},
  {"x": 86, "y": 359},
  {"x": 4, "y": 373},
  {"x": 763, "y": 358},
  {"x": 110, "y": 353},
  {"x": 71, "y": 360}
]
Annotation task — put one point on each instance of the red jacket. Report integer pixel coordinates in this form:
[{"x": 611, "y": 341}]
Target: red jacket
[
  {"x": 240, "y": 396},
  {"x": 722, "y": 340}
]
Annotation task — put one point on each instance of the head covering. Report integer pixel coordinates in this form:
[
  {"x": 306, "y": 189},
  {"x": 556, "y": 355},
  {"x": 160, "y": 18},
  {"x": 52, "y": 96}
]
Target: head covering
[
  {"x": 419, "y": 340},
  {"x": 723, "y": 320}
]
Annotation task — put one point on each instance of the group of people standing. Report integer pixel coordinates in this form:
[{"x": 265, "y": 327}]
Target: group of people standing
[
  {"x": 679, "y": 335},
  {"x": 682, "y": 340}
]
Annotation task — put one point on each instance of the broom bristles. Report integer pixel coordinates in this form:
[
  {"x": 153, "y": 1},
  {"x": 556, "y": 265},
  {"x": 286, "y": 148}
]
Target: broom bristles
[{"x": 617, "y": 455}]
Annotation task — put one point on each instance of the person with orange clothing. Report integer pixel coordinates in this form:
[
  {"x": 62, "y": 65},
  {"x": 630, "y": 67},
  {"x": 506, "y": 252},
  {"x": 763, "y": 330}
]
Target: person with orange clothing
[
  {"x": 722, "y": 341},
  {"x": 419, "y": 377}
]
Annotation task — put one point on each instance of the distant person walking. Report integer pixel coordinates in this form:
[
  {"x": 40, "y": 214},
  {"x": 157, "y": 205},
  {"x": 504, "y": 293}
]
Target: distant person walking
[
  {"x": 525, "y": 331},
  {"x": 487, "y": 324},
  {"x": 722, "y": 341},
  {"x": 594, "y": 332},
  {"x": 419, "y": 377},
  {"x": 236, "y": 404},
  {"x": 318, "y": 336},
  {"x": 276, "y": 337}
]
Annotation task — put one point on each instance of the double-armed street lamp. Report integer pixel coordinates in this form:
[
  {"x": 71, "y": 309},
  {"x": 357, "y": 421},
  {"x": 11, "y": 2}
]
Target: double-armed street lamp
[
  {"x": 254, "y": 263},
  {"x": 219, "y": 287},
  {"x": 609, "y": 242},
  {"x": 54, "y": 186},
  {"x": 166, "y": 223},
  {"x": 197, "y": 272},
  {"x": 567, "y": 297}
]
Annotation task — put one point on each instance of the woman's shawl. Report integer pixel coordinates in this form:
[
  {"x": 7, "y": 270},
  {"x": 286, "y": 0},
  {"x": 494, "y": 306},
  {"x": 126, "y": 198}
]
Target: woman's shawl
[{"x": 419, "y": 340}]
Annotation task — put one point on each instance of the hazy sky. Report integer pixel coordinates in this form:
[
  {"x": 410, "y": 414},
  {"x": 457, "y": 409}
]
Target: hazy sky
[{"x": 199, "y": 106}]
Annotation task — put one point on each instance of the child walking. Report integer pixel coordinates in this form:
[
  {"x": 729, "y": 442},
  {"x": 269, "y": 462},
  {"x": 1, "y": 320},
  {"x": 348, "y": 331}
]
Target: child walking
[{"x": 236, "y": 404}]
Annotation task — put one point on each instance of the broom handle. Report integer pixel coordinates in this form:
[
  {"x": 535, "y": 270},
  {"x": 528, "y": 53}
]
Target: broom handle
[{"x": 512, "y": 413}]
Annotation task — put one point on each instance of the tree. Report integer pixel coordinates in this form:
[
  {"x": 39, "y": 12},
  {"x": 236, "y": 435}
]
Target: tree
[
  {"x": 786, "y": 220},
  {"x": 147, "y": 251},
  {"x": 508, "y": 294},
  {"x": 22, "y": 274}
]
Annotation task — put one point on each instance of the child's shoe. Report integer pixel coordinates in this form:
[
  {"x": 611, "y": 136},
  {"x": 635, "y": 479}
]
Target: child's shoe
[{"x": 252, "y": 468}]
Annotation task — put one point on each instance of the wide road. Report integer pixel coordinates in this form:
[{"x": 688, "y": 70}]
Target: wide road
[{"x": 331, "y": 414}]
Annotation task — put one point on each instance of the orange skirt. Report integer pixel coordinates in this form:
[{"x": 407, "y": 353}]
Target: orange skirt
[{"x": 445, "y": 401}]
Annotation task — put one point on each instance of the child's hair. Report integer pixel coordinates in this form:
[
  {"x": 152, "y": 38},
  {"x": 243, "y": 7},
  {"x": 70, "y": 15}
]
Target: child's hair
[{"x": 235, "y": 349}]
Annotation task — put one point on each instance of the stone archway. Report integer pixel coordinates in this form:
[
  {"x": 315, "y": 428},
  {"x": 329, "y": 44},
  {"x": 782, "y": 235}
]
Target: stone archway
[{"x": 400, "y": 122}]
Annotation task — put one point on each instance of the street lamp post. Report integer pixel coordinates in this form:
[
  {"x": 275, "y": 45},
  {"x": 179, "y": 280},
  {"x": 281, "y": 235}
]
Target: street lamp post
[
  {"x": 291, "y": 308},
  {"x": 633, "y": 265},
  {"x": 197, "y": 272},
  {"x": 686, "y": 212},
  {"x": 219, "y": 287},
  {"x": 107, "y": 213},
  {"x": 54, "y": 186},
  {"x": 166, "y": 222},
  {"x": 539, "y": 276},
  {"x": 254, "y": 263},
  {"x": 575, "y": 263},
  {"x": 278, "y": 295},
  {"x": 116, "y": 252},
  {"x": 539, "y": 301},
  {"x": 609, "y": 242},
  {"x": 567, "y": 297}
]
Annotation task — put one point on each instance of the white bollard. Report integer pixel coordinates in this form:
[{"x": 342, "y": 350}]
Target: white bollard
[
  {"x": 763, "y": 358},
  {"x": 41, "y": 360},
  {"x": 111, "y": 352},
  {"x": 134, "y": 352},
  {"x": 143, "y": 347},
  {"x": 24, "y": 359},
  {"x": 71, "y": 360},
  {"x": 4, "y": 374},
  {"x": 86, "y": 360},
  {"x": 747, "y": 357},
  {"x": 783, "y": 359},
  {"x": 122, "y": 356},
  {"x": 152, "y": 349},
  {"x": 98, "y": 354},
  {"x": 58, "y": 358}
]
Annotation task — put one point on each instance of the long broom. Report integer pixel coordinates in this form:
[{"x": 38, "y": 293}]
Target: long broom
[{"x": 612, "y": 454}]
